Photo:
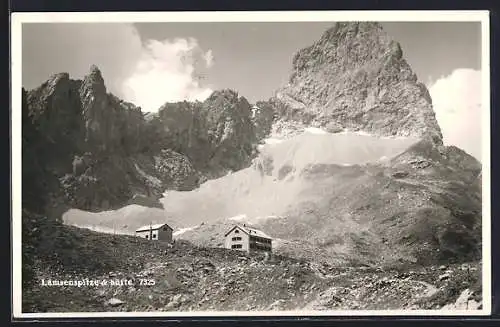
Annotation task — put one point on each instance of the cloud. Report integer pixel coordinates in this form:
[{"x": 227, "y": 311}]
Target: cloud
[
  {"x": 147, "y": 73},
  {"x": 456, "y": 99},
  {"x": 209, "y": 58},
  {"x": 166, "y": 71}
]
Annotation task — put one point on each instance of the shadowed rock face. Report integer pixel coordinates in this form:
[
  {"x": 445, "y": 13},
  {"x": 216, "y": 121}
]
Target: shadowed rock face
[
  {"x": 102, "y": 153},
  {"x": 355, "y": 77},
  {"x": 218, "y": 135}
]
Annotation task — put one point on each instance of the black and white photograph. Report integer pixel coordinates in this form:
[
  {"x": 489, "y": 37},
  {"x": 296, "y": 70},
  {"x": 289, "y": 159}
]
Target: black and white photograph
[{"x": 250, "y": 163}]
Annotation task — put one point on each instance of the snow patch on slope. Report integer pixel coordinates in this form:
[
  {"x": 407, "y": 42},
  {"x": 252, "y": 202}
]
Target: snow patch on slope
[
  {"x": 272, "y": 140},
  {"x": 123, "y": 220},
  {"x": 181, "y": 231},
  {"x": 279, "y": 178},
  {"x": 315, "y": 130},
  {"x": 239, "y": 218},
  {"x": 252, "y": 220},
  {"x": 105, "y": 230},
  {"x": 275, "y": 181}
]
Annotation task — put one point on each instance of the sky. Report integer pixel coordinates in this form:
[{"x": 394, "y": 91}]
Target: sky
[{"x": 152, "y": 63}]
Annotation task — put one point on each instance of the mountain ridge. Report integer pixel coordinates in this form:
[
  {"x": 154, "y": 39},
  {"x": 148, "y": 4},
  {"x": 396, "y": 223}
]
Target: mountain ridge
[{"x": 108, "y": 145}]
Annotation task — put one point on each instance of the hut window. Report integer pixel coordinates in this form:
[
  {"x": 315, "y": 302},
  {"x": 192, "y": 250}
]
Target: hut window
[
  {"x": 154, "y": 235},
  {"x": 147, "y": 236},
  {"x": 236, "y": 238}
]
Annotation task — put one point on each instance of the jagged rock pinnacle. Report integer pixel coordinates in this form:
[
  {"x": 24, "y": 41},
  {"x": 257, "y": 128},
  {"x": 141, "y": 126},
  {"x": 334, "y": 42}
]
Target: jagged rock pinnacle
[
  {"x": 94, "y": 101},
  {"x": 94, "y": 80},
  {"x": 94, "y": 70},
  {"x": 355, "y": 76}
]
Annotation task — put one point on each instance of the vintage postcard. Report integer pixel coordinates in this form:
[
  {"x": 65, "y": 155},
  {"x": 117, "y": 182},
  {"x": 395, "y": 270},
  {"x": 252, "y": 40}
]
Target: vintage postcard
[{"x": 250, "y": 163}]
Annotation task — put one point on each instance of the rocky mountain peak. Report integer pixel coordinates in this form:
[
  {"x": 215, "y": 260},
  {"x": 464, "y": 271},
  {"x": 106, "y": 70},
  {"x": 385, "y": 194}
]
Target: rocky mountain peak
[
  {"x": 346, "y": 27},
  {"x": 47, "y": 96},
  {"x": 95, "y": 75},
  {"x": 353, "y": 30},
  {"x": 94, "y": 101},
  {"x": 351, "y": 35},
  {"x": 56, "y": 79},
  {"x": 224, "y": 93},
  {"x": 93, "y": 83},
  {"x": 355, "y": 77}
]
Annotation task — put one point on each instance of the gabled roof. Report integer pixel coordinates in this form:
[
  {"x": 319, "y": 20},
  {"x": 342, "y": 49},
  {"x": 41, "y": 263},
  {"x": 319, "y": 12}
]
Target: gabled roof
[
  {"x": 152, "y": 227},
  {"x": 250, "y": 231}
]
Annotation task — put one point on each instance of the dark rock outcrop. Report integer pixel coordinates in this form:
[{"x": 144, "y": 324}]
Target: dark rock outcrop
[
  {"x": 100, "y": 152},
  {"x": 263, "y": 116},
  {"x": 218, "y": 134}
]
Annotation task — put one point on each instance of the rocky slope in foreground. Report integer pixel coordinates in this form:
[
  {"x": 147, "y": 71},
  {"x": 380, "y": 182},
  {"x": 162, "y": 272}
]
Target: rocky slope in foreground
[{"x": 190, "y": 278}]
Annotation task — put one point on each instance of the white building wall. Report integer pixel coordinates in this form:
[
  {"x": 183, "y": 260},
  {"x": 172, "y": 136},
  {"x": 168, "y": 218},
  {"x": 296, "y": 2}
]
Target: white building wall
[
  {"x": 232, "y": 240},
  {"x": 156, "y": 234},
  {"x": 142, "y": 234}
]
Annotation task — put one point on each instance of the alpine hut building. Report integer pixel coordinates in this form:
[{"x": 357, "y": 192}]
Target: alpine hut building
[
  {"x": 247, "y": 239},
  {"x": 157, "y": 232}
]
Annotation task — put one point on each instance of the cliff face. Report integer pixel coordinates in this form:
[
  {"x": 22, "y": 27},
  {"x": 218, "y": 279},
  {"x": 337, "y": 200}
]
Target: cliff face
[
  {"x": 218, "y": 134},
  {"x": 355, "y": 77},
  {"x": 100, "y": 152}
]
